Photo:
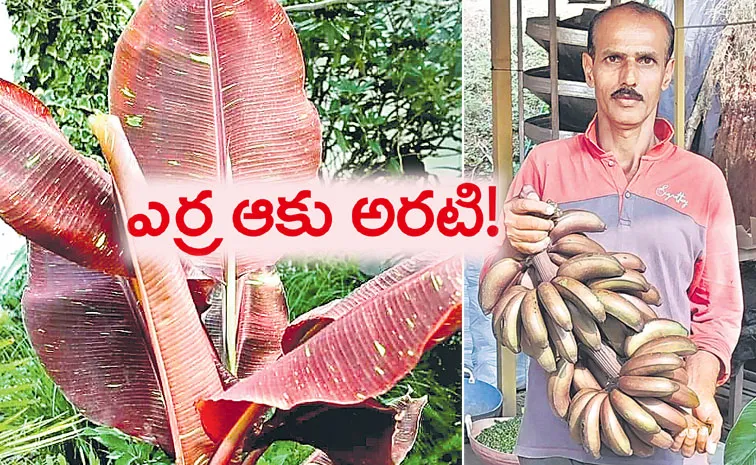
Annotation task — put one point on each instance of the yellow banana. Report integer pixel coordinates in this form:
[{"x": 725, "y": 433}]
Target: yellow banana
[{"x": 651, "y": 296}]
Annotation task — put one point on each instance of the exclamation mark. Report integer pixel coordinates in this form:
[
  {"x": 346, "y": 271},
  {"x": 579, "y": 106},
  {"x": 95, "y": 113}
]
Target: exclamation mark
[{"x": 492, "y": 230}]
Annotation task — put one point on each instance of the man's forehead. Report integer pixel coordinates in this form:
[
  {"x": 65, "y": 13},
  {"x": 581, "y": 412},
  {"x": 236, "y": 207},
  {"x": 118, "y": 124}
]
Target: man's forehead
[{"x": 631, "y": 33}]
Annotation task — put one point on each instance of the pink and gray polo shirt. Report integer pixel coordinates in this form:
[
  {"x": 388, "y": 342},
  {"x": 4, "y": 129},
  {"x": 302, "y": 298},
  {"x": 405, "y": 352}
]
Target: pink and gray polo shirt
[{"x": 675, "y": 214}]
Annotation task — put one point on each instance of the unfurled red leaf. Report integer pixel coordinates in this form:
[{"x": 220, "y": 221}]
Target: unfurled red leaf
[
  {"x": 83, "y": 325},
  {"x": 214, "y": 92},
  {"x": 184, "y": 358},
  {"x": 263, "y": 316},
  {"x": 50, "y": 193},
  {"x": 358, "y": 356},
  {"x": 310, "y": 323},
  {"x": 365, "y": 434}
]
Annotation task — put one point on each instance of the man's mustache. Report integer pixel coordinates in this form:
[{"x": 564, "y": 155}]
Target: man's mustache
[{"x": 627, "y": 92}]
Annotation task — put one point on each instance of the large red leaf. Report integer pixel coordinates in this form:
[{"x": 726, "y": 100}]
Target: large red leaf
[
  {"x": 184, "y": 357},
  {"x": 310, "y": 323},
  {"x": 359, "y": 356},
  {"x": 83, "y": 325},
  {"x": 213, "y": 90},
  {"x": 50, "y": 193},
  {"x": 262, "y": 320}
]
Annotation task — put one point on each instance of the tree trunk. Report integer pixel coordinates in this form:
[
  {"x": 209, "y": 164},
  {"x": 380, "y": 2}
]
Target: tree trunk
[{"x": 735, "y": 154}]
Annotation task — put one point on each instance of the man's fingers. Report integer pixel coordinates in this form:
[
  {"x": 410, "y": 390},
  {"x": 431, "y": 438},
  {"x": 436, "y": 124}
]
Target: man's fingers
[
  {"x": 531, "y": 248},
  {"x": 529, "y": 192},
  {"x": 689, "y": 445},
  {"x": 702, "y": 439},
  {"x": 679, "y": 439},
  {"x": 525, "y": 206},
  {"x": 528, "y": 222},
  {"x": 527, "y": 235}
]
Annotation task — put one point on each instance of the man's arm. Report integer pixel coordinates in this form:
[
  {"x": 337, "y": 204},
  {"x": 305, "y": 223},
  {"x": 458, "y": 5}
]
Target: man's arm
[{"x": 716, "y": 298}]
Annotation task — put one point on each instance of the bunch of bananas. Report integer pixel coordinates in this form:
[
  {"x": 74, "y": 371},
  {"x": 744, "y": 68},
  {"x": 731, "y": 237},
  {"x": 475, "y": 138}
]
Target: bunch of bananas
[{"x": 616, "y": 370}]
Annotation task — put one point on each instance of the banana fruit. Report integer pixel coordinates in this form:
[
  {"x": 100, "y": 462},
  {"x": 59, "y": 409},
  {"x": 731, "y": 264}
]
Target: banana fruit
[{"x": 585, "y": 315}]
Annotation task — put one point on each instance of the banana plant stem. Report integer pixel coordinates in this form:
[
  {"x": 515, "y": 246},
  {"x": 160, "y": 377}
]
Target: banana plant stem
[{"x": 226, "y": 449}]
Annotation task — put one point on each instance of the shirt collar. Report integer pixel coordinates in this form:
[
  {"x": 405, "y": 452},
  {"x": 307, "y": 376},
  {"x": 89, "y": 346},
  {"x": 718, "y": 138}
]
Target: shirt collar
[{"x": 662, "y": 129}]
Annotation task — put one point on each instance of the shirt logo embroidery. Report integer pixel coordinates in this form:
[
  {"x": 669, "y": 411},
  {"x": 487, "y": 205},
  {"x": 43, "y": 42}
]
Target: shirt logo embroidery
[{"x": 661, "y": 191}]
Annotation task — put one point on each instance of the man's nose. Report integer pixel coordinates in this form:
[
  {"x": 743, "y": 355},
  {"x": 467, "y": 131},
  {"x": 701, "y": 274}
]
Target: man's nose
[{"x": 629, "y": 73}]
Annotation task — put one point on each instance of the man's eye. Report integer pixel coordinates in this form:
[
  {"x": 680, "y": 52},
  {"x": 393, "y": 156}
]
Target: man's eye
[
  {"x": 613, "y": 58},
  {"x": 647, "y": 60}
]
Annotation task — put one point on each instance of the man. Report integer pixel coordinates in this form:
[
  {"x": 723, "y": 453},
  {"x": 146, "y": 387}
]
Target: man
[{"x": 669, "y": 206}]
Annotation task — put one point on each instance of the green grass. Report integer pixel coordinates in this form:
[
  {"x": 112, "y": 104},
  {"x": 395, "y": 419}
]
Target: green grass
[{"x": 39, "y": 426}]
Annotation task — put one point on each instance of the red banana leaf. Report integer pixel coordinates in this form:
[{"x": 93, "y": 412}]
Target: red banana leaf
[
  {"x": 48, "y": 192},
  {"x": 310, "y": 323},
  {"x": 213, "y": 91},
  {"x": 184, "y": 357},
  {"x": 91, "y": 344},
  {"x": 359, "y": 356}
]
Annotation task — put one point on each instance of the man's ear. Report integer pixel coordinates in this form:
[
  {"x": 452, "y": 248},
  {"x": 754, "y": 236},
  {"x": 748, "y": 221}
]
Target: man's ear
[
  {"x": 588, "y": 69},
  {"x": 669, "y": 70}
]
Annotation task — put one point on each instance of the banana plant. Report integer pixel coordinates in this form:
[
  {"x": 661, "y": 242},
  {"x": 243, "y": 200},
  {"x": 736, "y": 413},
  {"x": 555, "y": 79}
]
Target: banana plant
[
  {"x": 740, "y": 448},
  {"x": 206, "y": 91}
]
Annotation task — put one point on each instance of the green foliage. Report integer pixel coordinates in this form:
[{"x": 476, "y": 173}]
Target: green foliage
[
  {"x": 285, "y": 453},
  {"x": 385, "y": 77},
  {"x": 124, "y": 450},
  {"x": 741, "y": 442},
  {"x": 502, "y": 436},
  {"x": 65, "y": 48}
]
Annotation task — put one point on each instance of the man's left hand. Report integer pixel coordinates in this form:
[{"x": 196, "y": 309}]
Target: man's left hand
[{"x": 703, "y": 370}]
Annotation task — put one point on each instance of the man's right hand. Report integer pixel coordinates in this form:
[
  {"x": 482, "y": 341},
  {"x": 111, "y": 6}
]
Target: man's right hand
[{"x": 526, "y": 232}]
